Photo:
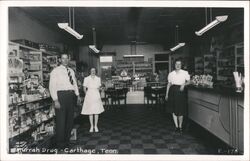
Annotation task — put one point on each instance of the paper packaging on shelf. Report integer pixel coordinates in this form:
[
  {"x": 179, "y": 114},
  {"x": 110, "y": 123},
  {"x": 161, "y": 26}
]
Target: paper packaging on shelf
[
  {"x": 52, "y": 112},
  {"x": 32, "y": 97},
  {"x": 29, "y": 121},
  {"x": 22, "y": 111},
  {"x": 37, "y": 117},
  {"x": 202, "y": 80},
  {"x": 15, "y": 65},
  {"x": 35, "y": 66},
  {"x": 24, "y": 97},
  {"x": 42, "y": 127},
  {"x": 49, "y": 128},
  {"x": 41, "y": 90},
  {"x": 34, "y": 135},
  {"x": 44, "y": 117},
  {"x": 15, "y": 113}
]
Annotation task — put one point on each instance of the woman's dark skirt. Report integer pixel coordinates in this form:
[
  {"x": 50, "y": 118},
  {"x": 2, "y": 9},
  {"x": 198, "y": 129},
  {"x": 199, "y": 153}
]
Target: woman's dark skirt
[{"x": 177, "y": 100}]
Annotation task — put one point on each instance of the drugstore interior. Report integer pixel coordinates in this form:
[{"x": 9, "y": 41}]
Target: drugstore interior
[{"x": 132, "y": 49}]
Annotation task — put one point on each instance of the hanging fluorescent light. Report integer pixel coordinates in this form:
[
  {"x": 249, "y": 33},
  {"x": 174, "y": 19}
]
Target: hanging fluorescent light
[
  {"x": 92, "y": 47},
  {"x": 132, "y": 56},
  {"x": 66, "y": 27},
  {"x": 178, "y": 46},
  {"x": 217, "y": 20}
]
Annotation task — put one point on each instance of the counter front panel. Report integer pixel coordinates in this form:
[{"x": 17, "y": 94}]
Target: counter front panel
[{"x": 219, "y": 113}]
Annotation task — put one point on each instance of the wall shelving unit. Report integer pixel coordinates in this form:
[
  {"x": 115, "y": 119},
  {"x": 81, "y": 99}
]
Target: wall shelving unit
[{"x": 31, "y": 116}]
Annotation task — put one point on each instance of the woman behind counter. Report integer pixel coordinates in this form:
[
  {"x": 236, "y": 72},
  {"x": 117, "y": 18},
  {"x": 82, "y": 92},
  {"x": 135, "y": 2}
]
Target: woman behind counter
[
  {"x": 92, "y": 105},
  {"x": 175, "y": 94}
]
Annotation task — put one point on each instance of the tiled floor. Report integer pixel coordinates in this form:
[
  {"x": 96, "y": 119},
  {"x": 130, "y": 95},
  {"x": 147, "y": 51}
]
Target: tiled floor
[{"x": 137, "y": 129}]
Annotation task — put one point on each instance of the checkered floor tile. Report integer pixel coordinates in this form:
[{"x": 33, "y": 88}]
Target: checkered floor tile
[{"x": 136, "y": 129}]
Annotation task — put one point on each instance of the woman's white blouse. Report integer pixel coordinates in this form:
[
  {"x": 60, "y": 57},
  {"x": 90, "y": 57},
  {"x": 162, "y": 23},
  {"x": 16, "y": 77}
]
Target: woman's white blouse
[
  {"x": 92, "y": 83},
  {"x": 178, "y": 78}
]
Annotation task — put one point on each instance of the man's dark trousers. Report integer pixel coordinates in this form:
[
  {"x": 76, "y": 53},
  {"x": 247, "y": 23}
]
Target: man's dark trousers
[{"x": 64, "y": 117}]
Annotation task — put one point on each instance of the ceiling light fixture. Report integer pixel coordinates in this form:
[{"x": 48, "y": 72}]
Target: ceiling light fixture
[
  {"x": 92, "y": 47},
  {"x": 132, "y": 56},
  {"x": 66, "y": 27},
  {"x": 177, "y": 46},
  {"x": 217, "y": 20}
]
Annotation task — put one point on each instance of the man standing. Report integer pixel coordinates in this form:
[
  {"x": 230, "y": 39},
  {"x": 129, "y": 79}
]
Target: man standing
[{"x": 63, "y": 89}]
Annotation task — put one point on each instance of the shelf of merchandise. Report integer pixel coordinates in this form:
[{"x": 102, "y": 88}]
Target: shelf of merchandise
[
  {"x": 209, "y": 64},
  {"x": 38, "y": 144},
  {"x": 239, "y": 57},
  {"x": 198, "y": 65},
  {"x": 17, "y": 133},
  {"x": 26, "y": 102},
  {"x": 30, "y": 48},
  {"x": 141, "y": 67},
  {"x": 161, "y": 63},
  {"x": 49, "y": 62},
  {"x": 229, "y": 60},
  {"x": 33, "y": 110},
  {"x": 31, "y": 128},
  {"x": 23, "y": 134}
]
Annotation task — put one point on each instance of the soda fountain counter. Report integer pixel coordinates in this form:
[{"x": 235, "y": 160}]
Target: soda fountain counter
[{"x": 220, "y": 111}]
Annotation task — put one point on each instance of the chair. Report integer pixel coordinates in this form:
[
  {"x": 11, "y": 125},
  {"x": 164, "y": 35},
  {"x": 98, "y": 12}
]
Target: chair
[
  {"x": 105, "y": 100},
  {"x": 154, "y": 96},
  {"x": 162, "y": 95},
  {"x": 147, "y": 94},
  {"x": 121, "y": 94},
  {"x": 109, "y": 97},
  {"x": 150, "y": 95}
]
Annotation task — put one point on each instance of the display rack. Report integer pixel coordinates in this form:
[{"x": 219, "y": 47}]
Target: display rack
[
  {"x": 140, "y": 67},
  {"x": 239, "y": 58},
  {"x": 30, "y": 123},
  {"x": 49, "y": 63},
  {"x": 30, "y": 106},
  {"x": 199, "y": 65},
  {"x": 143, "y": 67},
  {"x": 161, "y": 62},
  {"x": 210, "y": 64},
  {"x": 230, "y": 59}
]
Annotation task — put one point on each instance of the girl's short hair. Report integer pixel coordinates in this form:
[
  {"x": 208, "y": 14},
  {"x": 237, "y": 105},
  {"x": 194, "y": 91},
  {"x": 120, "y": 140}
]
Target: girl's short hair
[
  {"x": 178, "y": 59},
  {"x": 92, "y": 68}
]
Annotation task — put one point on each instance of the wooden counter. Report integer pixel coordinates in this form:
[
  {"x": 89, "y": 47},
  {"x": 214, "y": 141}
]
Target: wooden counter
[{"x": 220, "y": 111}]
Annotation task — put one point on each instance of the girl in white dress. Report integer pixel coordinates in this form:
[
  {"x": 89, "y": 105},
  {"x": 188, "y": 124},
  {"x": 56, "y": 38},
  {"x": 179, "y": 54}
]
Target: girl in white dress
[{"x": 92, "y": 105}]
